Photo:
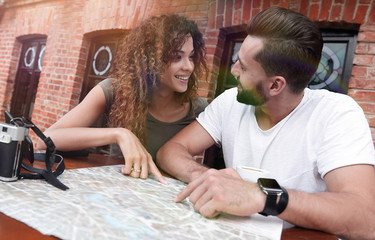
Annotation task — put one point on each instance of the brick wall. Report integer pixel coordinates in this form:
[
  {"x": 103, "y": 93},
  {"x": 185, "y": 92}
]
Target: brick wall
[{"x": 67, "y": 23}]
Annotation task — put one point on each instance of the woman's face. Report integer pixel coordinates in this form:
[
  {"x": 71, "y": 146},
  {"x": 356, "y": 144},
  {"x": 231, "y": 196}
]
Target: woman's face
[{"x": 177, "y": 73}]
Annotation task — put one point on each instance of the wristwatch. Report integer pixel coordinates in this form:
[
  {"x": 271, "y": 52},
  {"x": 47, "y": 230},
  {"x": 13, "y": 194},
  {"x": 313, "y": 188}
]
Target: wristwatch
[{"x": 273, "y": 190}]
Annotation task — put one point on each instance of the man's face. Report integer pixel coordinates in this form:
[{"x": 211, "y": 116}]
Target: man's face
[
  {"x": 254, "y": 96},
  {"x": 250, "y": 75}
]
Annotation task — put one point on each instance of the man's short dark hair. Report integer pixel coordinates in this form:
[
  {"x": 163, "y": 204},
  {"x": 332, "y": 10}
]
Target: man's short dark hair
[{"x": 292, "y": 45}]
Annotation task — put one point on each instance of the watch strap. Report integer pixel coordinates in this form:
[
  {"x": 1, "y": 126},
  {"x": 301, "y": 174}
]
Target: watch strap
[
  {"x": 283, "y": 201},
  {"x": 271, "y": 207}
]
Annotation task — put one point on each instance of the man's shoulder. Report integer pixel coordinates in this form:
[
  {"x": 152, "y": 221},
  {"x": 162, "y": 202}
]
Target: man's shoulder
[
  {"x": 229, "y": 95},
  {"x": 330, "y": 98}
]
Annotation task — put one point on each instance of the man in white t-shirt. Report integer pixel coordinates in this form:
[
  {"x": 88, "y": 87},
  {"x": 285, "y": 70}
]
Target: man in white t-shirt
[{"x": 316, "y": 145}]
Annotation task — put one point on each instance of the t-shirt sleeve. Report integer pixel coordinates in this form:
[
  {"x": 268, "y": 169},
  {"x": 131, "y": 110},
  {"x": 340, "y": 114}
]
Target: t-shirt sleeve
[
  {"x": 211, "y": 118},
  {"x": 347, "y": 138},
  {"x": 106, "y": 85}
]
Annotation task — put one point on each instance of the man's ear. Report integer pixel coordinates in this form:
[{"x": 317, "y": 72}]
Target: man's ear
[{"x": 277, "y": 85}]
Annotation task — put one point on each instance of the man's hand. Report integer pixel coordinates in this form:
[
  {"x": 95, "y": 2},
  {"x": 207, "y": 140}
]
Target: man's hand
[{"x": 218, "y": 191}]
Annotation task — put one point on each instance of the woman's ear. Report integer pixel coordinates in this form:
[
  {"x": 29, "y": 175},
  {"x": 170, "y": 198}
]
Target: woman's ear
[{"x": 277, "y": 85}]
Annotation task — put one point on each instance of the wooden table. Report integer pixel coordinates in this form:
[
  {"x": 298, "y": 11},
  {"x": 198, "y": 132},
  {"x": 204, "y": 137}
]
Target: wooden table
[{"x": 12, "y": 229}]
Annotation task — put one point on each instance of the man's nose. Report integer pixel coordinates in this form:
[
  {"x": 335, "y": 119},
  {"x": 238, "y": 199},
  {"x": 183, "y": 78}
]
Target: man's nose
[{"x": 234, "y": 70}]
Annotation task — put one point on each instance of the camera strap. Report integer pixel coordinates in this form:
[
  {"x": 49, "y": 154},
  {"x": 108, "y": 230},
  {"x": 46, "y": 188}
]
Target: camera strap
[{"x": 50, "y": 158}]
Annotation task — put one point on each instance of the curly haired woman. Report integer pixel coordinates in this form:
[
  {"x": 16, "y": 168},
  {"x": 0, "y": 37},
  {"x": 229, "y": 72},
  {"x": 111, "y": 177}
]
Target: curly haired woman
[{"x": 150, "y": 96}]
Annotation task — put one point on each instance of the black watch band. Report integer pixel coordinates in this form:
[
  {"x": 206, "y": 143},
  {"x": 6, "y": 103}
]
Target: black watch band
[{"x": 272, "y": 207}]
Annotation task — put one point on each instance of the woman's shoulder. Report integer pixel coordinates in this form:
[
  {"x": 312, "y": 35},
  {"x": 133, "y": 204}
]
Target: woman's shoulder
[
  {"x": 199, "y": 104},
  {"x": 106, "y": 83}
]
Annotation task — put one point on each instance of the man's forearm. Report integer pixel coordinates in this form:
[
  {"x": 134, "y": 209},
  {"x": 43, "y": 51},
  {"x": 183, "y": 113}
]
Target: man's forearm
[
  {"x": 344, "y": 214},
  {"x": 175, "y": 159}
]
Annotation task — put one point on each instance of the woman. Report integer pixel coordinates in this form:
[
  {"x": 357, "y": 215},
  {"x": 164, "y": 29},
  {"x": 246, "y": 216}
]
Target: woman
[{"x": 150, "y": 96}]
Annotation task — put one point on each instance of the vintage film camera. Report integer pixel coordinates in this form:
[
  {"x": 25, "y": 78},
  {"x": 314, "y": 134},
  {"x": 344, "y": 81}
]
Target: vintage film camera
[
  {"x": 11, "y": 150},
  {"x": 15, "y": 145}
]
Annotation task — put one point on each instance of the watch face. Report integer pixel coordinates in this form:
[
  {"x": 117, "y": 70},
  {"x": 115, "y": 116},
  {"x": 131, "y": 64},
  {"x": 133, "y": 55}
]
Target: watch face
[{"x": 269, "y": 185}]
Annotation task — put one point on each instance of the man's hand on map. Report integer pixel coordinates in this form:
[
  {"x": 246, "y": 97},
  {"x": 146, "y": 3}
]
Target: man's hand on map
[
  {"x": 138, "y": 162},
  {"x": 218, "y": 191}
]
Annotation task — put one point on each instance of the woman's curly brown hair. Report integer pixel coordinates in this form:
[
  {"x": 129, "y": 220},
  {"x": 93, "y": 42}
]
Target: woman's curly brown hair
[{"x": 142, "y": 56}]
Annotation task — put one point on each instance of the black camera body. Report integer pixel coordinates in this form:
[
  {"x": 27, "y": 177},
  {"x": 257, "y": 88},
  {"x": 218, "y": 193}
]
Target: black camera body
[{"x": 11, "y": 146}]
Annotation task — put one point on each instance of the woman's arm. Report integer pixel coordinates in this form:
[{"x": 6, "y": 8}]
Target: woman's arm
[{"x": 73, "y": 132}]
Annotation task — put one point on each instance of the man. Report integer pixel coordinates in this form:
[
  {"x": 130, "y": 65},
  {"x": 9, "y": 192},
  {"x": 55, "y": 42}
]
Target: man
[{"x": 316, "y": 144}]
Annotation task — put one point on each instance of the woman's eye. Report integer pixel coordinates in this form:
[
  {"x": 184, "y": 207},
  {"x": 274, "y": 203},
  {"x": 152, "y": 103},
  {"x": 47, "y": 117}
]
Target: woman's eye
[{"x": 177, "y": 58}]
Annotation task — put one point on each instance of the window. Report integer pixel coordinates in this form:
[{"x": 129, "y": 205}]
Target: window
[
  {"x": 27, "y": 77},
  {"x": 231, "y": 47},
  {"x": 335, "y": 67},
  {"x": 101, "y": 55}
]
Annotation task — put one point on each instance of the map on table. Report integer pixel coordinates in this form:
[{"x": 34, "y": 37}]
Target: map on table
[{"x": 104, "y": 204}]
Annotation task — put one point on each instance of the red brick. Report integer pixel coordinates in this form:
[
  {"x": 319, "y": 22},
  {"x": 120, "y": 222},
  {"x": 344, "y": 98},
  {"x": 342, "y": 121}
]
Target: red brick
[
  {"x": 348, "y": 11},
  {"x": 371, "y": 120},
  {"x": 228, "y": 13},
  {"x": 371, "y": 48},
  {"x": 283, "y": 4},
  {"x": 359, "y": 71},
  {"x": 237, "y": 18},
  {"x": 360, "y": 14},
  {"x": 366, "y": 36},
  {"x": 257, "y": 3},
  {"x": 362, "y": 48},
  {"x": 325, "y": 9},
  {"x": 212, "y": 15},
  {"x": 335, "y": 13},
  {"x": 266, "y": 4},
  {"x": 237, "y": 4},
  {"x": 367, "y": 107},
  {"x": 371, "y": 17},
  {"x": 314, "y": 11},
  {"x": 219, "y": 22},
  {"x": 362, "y": 83},
  {"x": 246, "y": 11},
  {"x": 304, "y": 6},
  {"x": 220, "y": 6},
  {"x": 362, "y": 95},
  {"x": 371, "y": 73},
  {"x": 363, "y": 60}
]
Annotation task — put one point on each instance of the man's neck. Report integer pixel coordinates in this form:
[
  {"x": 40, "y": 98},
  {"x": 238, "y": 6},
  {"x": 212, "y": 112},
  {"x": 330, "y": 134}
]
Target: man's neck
[{"x": 276, "y": 109}]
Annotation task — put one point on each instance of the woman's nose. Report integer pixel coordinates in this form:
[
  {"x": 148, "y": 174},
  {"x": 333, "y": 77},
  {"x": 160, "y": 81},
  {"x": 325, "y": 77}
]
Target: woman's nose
[{"x": 189, "y": 64}]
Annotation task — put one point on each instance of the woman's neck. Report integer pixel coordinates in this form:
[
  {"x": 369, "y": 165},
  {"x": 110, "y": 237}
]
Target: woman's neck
[{"x": 165, "y": 107}]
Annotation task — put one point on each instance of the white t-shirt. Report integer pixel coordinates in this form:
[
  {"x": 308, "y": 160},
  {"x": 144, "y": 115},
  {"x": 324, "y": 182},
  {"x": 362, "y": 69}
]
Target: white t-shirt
[{"x": 324, "y": 132}]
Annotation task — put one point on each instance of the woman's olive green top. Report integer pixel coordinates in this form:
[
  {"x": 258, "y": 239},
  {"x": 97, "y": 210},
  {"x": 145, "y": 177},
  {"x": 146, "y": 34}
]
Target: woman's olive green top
[{"x": 158, "y": 132}]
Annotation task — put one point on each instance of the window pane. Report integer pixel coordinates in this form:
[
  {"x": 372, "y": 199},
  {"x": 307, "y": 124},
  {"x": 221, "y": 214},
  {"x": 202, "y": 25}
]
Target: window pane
[{"x": 330, "y": 71}]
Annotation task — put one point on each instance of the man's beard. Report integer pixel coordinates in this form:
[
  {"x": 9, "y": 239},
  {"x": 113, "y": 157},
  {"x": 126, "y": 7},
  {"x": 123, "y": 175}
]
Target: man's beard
[{"x": 255, "y": 96}]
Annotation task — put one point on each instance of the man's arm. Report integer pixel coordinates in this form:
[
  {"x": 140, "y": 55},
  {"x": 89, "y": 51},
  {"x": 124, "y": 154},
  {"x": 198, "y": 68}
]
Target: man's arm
[
  {"x": 176, "y": 156},
  {"x": 347, "y": 209}
]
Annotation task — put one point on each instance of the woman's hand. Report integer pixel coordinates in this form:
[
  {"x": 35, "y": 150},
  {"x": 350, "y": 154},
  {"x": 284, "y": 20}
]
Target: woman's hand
[{"x": 138, "y": 162}]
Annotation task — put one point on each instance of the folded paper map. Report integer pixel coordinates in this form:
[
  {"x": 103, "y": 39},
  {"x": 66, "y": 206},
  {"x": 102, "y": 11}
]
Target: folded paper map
[{"x": 102, "y": 203}]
